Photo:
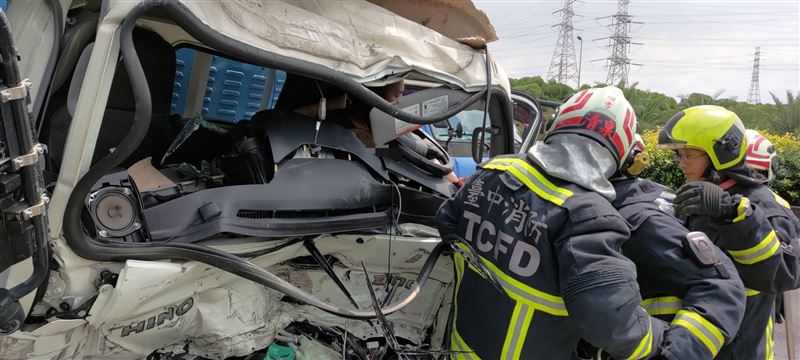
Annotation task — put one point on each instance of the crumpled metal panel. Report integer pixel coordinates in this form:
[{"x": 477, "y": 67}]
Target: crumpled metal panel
[
  {"x": 357, "y": 38},
  {"x": 167, "y": 305}
]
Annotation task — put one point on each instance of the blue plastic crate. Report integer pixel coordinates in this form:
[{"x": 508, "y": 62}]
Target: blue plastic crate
[
  {"x": 234, "y": 90},
  {"x": 183, "y": 71}
]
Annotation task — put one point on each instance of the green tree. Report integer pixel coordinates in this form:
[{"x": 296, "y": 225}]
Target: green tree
[
  {"x": 652, "y": 108},
  {"x": 787, "y": 117},
  {"x": 539, "y": 89},
  {"x": 695, "y": 99},
  {"x": 554, "y": 91},
  {"x": 529, "y": 84}
]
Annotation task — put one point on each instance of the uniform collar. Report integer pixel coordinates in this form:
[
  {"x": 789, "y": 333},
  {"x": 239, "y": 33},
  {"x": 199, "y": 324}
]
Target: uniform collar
[
  {"x": 578, "y": 160},
  {"x": 727, "y": 184}
]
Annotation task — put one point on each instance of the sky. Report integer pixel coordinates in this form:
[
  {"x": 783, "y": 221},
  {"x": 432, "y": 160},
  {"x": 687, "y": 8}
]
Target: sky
[{"x": 686, "y": 46}]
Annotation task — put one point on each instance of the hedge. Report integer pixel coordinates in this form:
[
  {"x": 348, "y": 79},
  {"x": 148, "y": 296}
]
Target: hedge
[{"x": 664, "y": 170}]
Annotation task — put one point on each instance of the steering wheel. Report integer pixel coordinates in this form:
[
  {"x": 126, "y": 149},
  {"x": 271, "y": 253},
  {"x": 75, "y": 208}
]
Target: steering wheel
[{"x": 425, "y": 153}]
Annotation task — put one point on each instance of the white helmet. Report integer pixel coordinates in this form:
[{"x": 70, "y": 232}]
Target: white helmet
[
  {"x": 761, "y": 155},
  {"x": 601, "y": 114}
]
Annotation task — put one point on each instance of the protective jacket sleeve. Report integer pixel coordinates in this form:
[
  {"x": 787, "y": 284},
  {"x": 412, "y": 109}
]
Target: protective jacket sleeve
[
  {"x": 599, "y": 284},
  {"x": 710, "y": 301},
  {"x": 762, "y": 241}
]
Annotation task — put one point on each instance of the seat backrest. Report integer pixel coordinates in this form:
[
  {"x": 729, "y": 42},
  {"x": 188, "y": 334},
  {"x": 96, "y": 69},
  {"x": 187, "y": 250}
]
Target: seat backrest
[{"x": 158, "y": 61}]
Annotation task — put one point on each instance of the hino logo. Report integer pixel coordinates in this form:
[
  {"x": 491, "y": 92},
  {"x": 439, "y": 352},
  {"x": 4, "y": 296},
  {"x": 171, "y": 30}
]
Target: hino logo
[
  {"x": 159, "y": 319},
  {"x": 397, "y": 281}
]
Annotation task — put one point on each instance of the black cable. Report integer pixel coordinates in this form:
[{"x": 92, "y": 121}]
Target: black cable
[
  {"x": 39, "y": 108},
  {"x": 273, "y": 249},
  {"x": 326, "y": 266},
  {"x": 32, "y": 180},
  {"x": 486, "y": 106},
  {"x": 246, "y": 52},
  {"x": 92, "y": 249}
]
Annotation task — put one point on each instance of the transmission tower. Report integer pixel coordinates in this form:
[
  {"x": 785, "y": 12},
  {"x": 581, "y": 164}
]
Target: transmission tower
[
  {"x": 754, "y": 96},
  {"x": 563, "y": 67},
  {"x": 618, "y": 63}
]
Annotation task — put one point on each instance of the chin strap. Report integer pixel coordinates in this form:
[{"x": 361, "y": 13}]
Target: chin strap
[{"x": 727, "y": 184}]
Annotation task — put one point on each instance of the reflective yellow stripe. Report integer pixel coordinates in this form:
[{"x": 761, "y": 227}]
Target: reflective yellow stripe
[
  {"x": 751, "y": 292},
  {"x": 766, "y": 248},
  {"x": 527, "y": 299},
  {"x": 459, "y": 262},
  {"x": 666, "y": 305},
  {"x": 532, "y": 178},
  {"x": 517, "y": 331},
  {"x": 539, "y": 300},
  {"x": 702, "y": 329},
  {"x": 646, "y": 345},
  {"x": 781, "y": 200},
  {"x": 770, "y": 345},
  {"x": 456, "y": 343},
  {"x": 460, "y": 348},
  {"x": 742, "y": 209},
  {"x": 525, "y": 165}
]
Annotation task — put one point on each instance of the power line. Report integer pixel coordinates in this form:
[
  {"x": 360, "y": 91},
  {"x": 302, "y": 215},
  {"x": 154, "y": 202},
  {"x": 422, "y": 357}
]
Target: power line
[
  {"x": 754, "y": 95},
  {"x": 674, "y": 45},
  {"x": 618, "y": 63},
  {"x": 719, "y": 39},
  {"x": 563, "y": 66},
  {"x": 728, "y": 22}
]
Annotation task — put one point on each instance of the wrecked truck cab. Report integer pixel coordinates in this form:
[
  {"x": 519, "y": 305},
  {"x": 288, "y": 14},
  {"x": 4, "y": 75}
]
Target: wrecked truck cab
[{"x": 189, "y": 213}]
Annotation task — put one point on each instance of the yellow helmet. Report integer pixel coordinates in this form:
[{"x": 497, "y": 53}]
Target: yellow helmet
[{"x": 713, "y": 129}]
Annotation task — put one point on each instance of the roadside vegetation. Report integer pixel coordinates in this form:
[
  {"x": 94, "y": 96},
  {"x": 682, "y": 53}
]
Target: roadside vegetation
[{"x": 779, "y": 121}]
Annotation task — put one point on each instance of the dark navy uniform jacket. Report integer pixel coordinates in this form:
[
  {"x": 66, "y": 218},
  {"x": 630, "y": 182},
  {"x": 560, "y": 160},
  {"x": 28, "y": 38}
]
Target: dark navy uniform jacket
[
  {"x": 704, "y": 302},
  {"x": 541, "y": 267},
  {"x": 763, "y": 243}
]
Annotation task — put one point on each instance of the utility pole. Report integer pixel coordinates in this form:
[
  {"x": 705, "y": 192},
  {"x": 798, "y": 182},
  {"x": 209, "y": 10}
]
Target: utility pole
[
  {"x": 580, "y": 62},
  {"x": 754, "y": 96},
  {"x": 563, "y": 67},
  {"x": 618, "y": 63}
]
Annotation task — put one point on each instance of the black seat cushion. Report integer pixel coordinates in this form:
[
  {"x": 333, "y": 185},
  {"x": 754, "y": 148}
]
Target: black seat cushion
[{"x": 158, "y": 61}]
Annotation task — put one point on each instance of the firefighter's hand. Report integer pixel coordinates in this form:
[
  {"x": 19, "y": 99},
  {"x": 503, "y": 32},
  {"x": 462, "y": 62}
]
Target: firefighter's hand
[
  {"x": 585, "y": 351},
  {"x": 704, "y": 198},
  {"x": 602, "y": 355}
]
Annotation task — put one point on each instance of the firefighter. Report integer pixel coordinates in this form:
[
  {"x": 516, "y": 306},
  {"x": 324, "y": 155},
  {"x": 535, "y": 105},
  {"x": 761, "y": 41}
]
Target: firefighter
[
  {"x": 538, "y": 260},
  {"x": 683, "y": 278},
  {"x": 752, "y": 224},
  {"x": 761, "y": 157}
]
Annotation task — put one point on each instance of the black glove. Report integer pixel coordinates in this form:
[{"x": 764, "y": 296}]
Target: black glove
[
  {"x": 705, "y": 198},
  {"x": 585, "y": 350}
]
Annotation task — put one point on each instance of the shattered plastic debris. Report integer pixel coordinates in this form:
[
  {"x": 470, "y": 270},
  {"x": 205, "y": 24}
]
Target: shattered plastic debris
[{"x": 188, "y": 129}]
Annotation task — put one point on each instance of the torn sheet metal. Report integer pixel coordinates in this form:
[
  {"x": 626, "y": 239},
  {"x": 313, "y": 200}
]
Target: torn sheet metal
[
  {"x": 362, "y": 40},
  {"x": 457, "y": 19},
  {"x": 194, "y": 308}
]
